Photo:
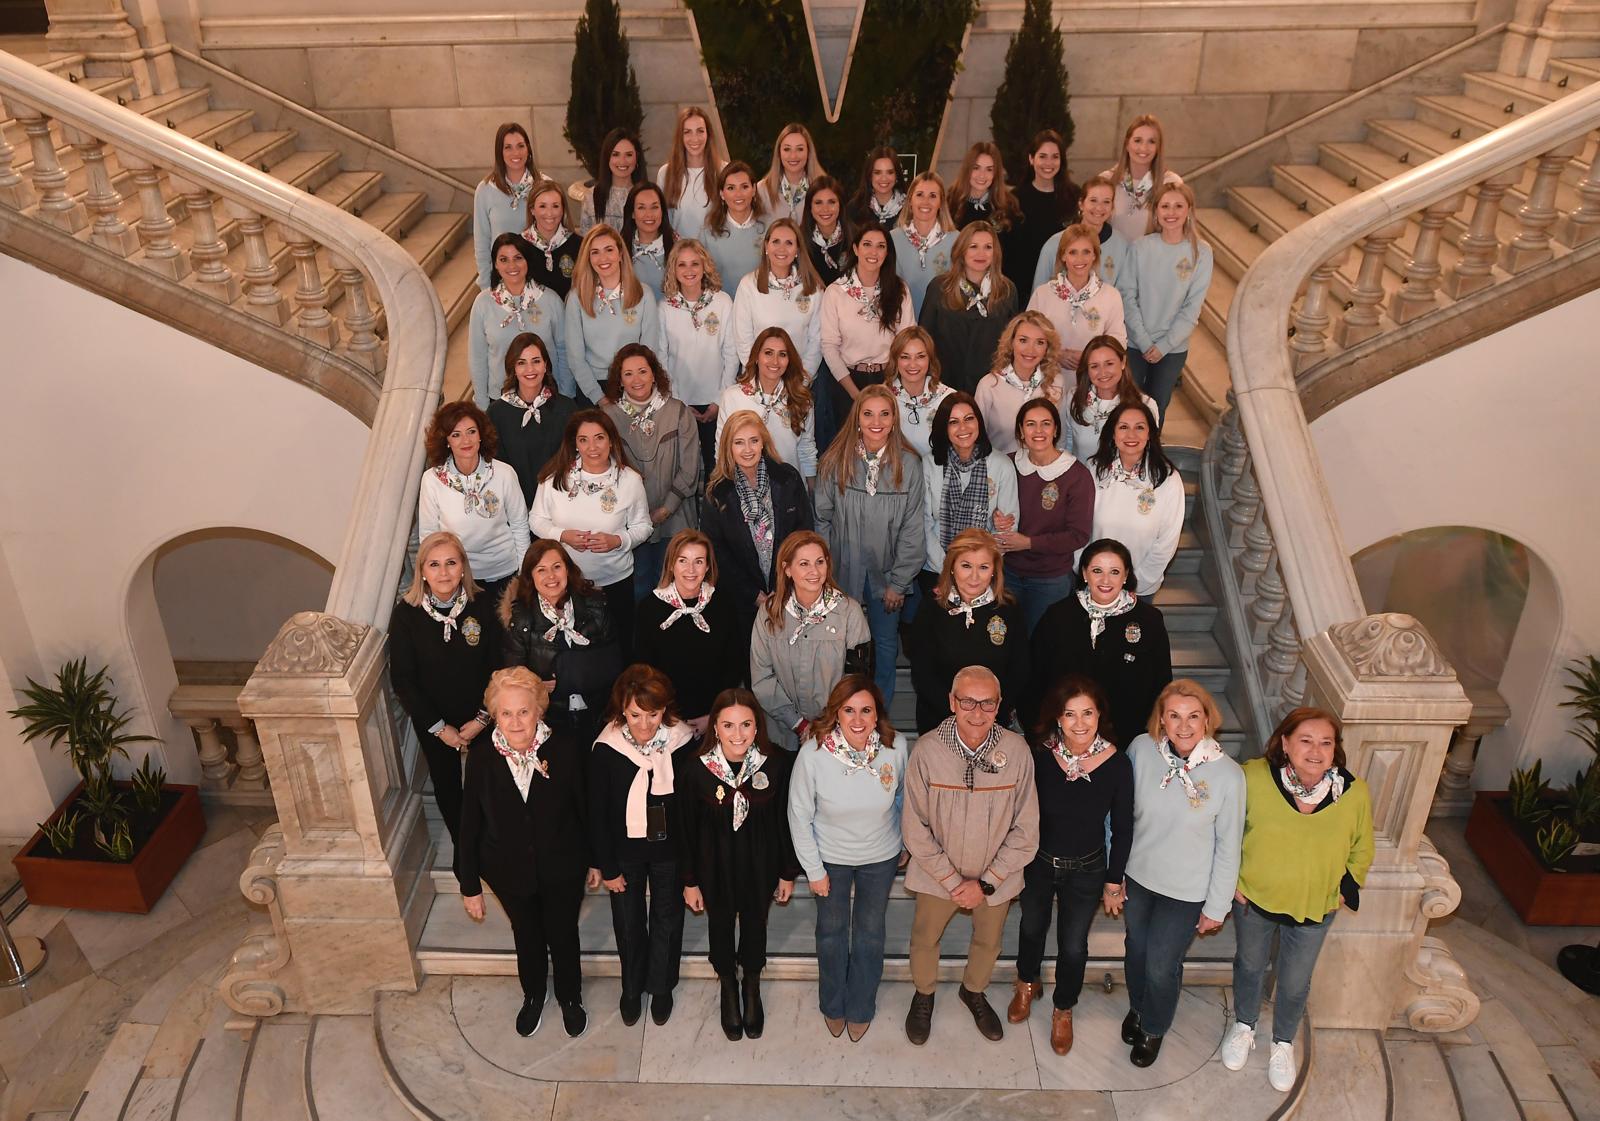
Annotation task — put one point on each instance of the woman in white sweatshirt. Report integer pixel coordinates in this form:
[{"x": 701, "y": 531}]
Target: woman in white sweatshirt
[
  {"x": 697, "y": 345},
  {"x": 784, "y": 291},
  {"x": 469, "y": 493},
  {"x": 689, "y": 176},
  {"x": 1138, "y": 493}
]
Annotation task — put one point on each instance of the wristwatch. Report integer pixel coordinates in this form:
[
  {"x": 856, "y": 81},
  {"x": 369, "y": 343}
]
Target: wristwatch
[{"x": 986, "y": 887}]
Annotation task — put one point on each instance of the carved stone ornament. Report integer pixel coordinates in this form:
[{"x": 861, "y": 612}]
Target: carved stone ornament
[
  {"x": 1444, "y": 1001},
  {"x": 1391, "y": 645},
  {"x": 312, "y": 642},
  {"x": 1441, "y": 895},
  {"x": 251, "y": 985}
]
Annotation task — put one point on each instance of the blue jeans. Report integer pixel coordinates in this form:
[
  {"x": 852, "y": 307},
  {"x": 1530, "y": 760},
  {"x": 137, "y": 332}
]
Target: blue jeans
[
  {"x": 885, "y": 627},
  {"x": 1035, "y": 594},
  {"x": 1074, "y": 896},
  {"x": 647, "y": 561},
  {"x": 1298, "y": 947},
  {"x": 1158, "y": 380},
  {"x": 850, "y": 936},
  {"x": 1159, "y": 932}
]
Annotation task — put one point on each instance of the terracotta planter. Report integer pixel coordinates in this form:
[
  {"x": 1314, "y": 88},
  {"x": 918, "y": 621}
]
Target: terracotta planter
[
  {"x": 104, "y": 885},
  {"x": 1541, "y": 897}
]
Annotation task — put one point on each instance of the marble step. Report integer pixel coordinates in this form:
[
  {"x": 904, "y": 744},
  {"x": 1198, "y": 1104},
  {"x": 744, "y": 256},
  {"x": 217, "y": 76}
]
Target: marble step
[
  {"x": 344, "y": 1076},
  {"x": 1271, "y": 215},
  {"x": 210, "y": 1088},
  {"x": 114, "y": 1078},
  {"x": 273, "y": 1086},
  {"x": 1206, "y": 380}
]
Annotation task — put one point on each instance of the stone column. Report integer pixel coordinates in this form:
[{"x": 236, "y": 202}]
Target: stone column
[
  {"x": 350, "y": 887},
  {"x": 1400, "y": 702},
  {"x": 1489, "y": 711}
]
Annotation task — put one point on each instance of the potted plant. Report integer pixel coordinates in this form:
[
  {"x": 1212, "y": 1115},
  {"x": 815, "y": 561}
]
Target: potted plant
[
  {"x": 112, "y": 845},
  {"x": 1541, "y": 846}
]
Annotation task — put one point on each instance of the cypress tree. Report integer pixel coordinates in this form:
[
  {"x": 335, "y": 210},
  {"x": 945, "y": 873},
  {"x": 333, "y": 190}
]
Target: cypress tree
[
  {"x": 605, "y": 91},
  {"x": 1033, "y": 92}
]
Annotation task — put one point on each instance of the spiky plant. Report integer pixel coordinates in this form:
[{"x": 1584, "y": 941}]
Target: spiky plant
[
  {"x": 118, "y": 844},
  {"x": 1529, "y": 790},
  {"x": 81, "y": 710},
  {"x": 62, "y": 833},
  {"x": 1556, "y": 840},
  {"x": 147, "y": 784}
]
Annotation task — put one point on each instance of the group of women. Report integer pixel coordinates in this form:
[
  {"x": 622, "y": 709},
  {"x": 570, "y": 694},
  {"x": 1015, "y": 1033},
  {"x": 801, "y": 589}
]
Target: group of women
[{"x": 833, "y": 409}]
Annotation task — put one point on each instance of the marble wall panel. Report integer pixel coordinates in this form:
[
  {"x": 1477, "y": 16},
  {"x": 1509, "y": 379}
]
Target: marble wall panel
[
  {"x": 1275, "y": 61},
  {"x": 372, "y": 77},
  {"x": 1130, "y": 63},
  {"x": 458, "y": 137},
  {"x": 501, "y": 73},
  {"x": 283, "y": 70}
]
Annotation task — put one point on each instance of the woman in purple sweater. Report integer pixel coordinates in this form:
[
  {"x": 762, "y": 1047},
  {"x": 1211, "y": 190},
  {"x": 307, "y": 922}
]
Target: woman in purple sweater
[{"x": 1055, "y": 493}]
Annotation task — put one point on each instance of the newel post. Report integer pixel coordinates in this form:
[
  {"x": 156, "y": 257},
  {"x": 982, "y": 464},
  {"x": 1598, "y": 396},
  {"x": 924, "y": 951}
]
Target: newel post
[
  {"x": 349, "y": 885},
  {"x": 1400, "y": 703}
]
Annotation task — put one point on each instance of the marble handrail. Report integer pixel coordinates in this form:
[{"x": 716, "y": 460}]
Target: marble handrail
[
  {"x": 413, "y": 373},
  {"x": 1265, "y": 350}
]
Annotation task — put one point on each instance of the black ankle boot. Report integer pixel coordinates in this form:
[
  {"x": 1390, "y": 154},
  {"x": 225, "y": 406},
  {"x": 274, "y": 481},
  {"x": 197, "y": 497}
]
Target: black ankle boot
[
  {"x": 732, "y": 1020},
  {"x": 1145, "y": 1050},
  {"x": 754, "y": 1015},
  {"x": 1130, "y": 1028}
]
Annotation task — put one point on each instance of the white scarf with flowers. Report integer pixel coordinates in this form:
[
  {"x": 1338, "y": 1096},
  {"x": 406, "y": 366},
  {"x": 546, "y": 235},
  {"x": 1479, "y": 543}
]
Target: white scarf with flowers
[
  {"x": 1076, "y": 299},
  {"x": 693, "y": 307},
  {"x": 792, "y": 194},
  {"x": 923, "y": 244},
  {"x": 873, "y": 462},
  {"x": 977, "y": 297},
  {"x": 1072, "y": 765},
  {"x": 853, "y": 758},
  {"x": 524, "y": 764},
  {"x": 957, "y": 606},
  {"x": 1099, "y": 612},
  {"x": 520, "y": 189},
  {"x": 669, "y": 596},
  {"x": 868, "y": 296},
  {"x": 1031, "y": 387},
  {"x": 1178, "y": 768},
  {"x": 516, "y": 306},
  {"x": 548, "y": 248},
  {"x": 1313, "y": 795},
  {"x": 816, "y": 613},
  {"x": 457, "y": 606},
  {"x": 530, "y": 409},
  {"x": 476, "y": 497},
  {"x": 717, "y": 763},
  {"x": 609, "y": 298},
  {"x": 655, "y": 250},
  {"x": 564, "y": 622},
  {"x": 887, "y": 212}
]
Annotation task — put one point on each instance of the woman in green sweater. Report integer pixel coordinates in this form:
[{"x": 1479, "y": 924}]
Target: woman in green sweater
[{"x": 1307, "y": 847}]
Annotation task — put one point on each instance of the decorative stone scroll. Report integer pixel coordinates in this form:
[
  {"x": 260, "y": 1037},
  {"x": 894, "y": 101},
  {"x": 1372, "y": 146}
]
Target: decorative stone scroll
[
  {"x": 1444, "y": 1001},
  {"x": 1390, "y": 645},
  {"x": 252, "y": 985},
  {"x": 1441, "y": 895},
  {"x": 312, "y": 643}
]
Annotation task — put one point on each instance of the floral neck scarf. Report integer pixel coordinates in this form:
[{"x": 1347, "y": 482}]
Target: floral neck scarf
[
  {"x": 793, "y": 195},
  {"x": 770, "y": 406},
  {"x": 1138, "y": 189},
  {"x": 985, "y": 757},
  {"x": 520, "y": 189},
  {"x": 1076, "y": 299},
  {"x": 1134, "y": 480},
  {"x": 693, "y": 307},
  {"x": 853, "y": 758},
  {"x": 516, "y": 306},
  {"x": 977, "y": 297},
  {"x": 654, "y": 250},
  {"x": 749, "y": 771},
  {"x": 958, "y": 606},
  {"x": 1072, "y": 765},
  {"x": 786, "y": 286},
  {"x": 474, "y": 490},
  {"x": 565, "y": 622},
  {"x": 548, "y": 248},
  {"x": 1031, "y": 387},
  {"x": 828, "y": 244},
  {"x": 669, "y": 596},
  {"x": 581, "y": 482},
  {"x": 886, "y": 212},
  {"x": 530, "y": 409},
  {"x": 923, "y": 244},
  {"x": 873, "y": 463},
  {"x": 915, "y": 405},
  {"x": 1332, "y": 781},
  {"x": 608, "y": 298},
  {"x": 868, "y": 296},
  {"x": 816, "y": 613},
  {"x": 457, "y": 606},
  {"x": 523, "y": 764},
  {"x": 642, "y": 417},
  {"x": 1204, "y": 752},
  {"x": 1099, "y": 613},
  {"x": 755, "y": 504}
]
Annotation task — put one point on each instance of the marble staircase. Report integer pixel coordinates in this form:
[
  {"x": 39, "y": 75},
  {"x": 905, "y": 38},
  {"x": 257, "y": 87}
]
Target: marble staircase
[{"x": 1256, "y": 215}]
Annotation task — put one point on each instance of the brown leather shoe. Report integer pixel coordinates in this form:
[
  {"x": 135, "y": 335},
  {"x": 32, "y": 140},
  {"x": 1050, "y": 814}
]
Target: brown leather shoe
[
  {"x": 1061, "y": 1030},
  {"x": 983, "y": 1014},
  {"x": 835, "y": 1026},
  {"x": 1024, "y": 993}
]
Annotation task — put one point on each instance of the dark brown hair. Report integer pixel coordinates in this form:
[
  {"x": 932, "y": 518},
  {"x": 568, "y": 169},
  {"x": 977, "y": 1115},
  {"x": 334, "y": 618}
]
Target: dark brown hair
[
  {"x": 521, "y": 590},
  {"x": 845, "y": 688},
  {"x": 1290, "y": 724},
  {"x": 437, "y": 443},
  {"x": 649, "y": 688},
  {"x": 1057, "y": 696},
  {"x": 513, "y": 352},
  {"x": 497, "y": 173},
  {"x": 613, "y": 383},
  {"x": 727, "y": 699},
  {"x": 566, "y": 458}
]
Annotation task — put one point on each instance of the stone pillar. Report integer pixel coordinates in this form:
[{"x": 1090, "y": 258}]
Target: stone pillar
[
  {"x": 349, "y": 887},
  {"x": 1489, "y": 711},
  {"x": 1400, "y": 702}
]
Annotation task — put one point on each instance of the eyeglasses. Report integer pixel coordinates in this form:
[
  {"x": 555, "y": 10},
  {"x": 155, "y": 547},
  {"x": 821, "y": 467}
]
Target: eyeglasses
[{"x": 988, "y": 704}]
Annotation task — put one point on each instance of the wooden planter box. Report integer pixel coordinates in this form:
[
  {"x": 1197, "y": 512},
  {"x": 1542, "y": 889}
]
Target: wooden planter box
[
  {"x": 104, "y": 885},
  {"x": 1541, "y": 897}
]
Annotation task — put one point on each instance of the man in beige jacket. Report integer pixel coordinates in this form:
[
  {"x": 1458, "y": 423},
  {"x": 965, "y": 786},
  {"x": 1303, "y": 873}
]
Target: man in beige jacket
[{"x": 971, "y": 824}]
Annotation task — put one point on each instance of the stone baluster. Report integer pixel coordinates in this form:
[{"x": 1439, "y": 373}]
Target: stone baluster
[
  {"x": 1241, "y": 512},
  {"x": 364, "y": 346},
  {"x": 161, "y": 253},
  {"x": 262, "y": 298},
  {"x": 310, "y": 294},
  {"x": 213, "y": 752},
  {"x": 1362, "y": 317},
  {"x": 209, "y": 251},
  {"x": 14, "y": 189},
  {"x": 49, "y": 177},
  {"x": 1232, "y": 445},
  {"x": 1453, "y": 797},
  {"x": 1581, "y": 226},
  {"x": 1531, "y": 246},
  {"x": 1480, "y": 245},
  {"x": 109, "y": 231},
  {"x": 1270, "y": 600},
  {"x": 1419, "y": 294},
  {"x": 1311, "y": 322},
  {"x": 1257, "y": 552},
  {"x": 1280, "y": 661},
  {"x": 247, "y": 752}
]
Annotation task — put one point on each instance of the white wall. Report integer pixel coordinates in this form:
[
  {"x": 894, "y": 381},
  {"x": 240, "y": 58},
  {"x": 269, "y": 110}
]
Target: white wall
[
  {"x": 1500, "y": 434},
  {"x": 223, "y": 594},
  {"x": 123, "y": 434}
]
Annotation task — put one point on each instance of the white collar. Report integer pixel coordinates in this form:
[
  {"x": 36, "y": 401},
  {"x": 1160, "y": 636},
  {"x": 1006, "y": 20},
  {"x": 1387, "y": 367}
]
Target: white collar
[
  {"x": 1049, "y": 472},
  {"x": 742, "y": 225}
]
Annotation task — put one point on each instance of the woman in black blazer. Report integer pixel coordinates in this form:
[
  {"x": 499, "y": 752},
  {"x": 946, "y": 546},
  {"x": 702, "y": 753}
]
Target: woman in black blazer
[
  {"x": 444, "y": 642},
  {"x": 530, "y": 414},
  {"x": 1106, "y": 633},
  {"x": 688, "y": 628},
  {"x": 556, "y": 624},
  {"x": 753, "y": 501},
  {"x": 523, "y": 832}
]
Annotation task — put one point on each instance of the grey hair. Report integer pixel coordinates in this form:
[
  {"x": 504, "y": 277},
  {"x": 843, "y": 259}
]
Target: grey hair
[{"x": 975, "y": 673}]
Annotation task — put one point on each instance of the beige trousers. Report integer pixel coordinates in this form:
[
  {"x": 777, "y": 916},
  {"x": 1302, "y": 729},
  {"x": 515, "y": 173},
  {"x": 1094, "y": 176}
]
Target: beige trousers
[{"x": 933, "y": 914}]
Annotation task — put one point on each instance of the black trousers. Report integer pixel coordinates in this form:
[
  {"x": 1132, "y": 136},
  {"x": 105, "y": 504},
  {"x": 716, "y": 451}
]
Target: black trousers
[
  {"x": 619, "y": 601},
  {"x": 1073, "y": 895},
  {"x": 444, "y": 770},
  {"x": 748, "y": 949},
  {"x": 708, "y": 440},
  {"x": 649, "y": 934},
  {"x": 544, "y": 926}
]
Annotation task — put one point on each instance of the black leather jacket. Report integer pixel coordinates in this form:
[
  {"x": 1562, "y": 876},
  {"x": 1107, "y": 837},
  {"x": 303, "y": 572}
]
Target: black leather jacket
[{"x": 587, "y": 670}]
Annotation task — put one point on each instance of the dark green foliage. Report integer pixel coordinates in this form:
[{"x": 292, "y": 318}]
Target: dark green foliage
[
  {"x": 1529, "y": 791},
  {"x": 81, "y": 710},
  {"x": 1556, "y": 840},
  {"x": 1033, "y": 94},
  {"x": 1585, "y": 690},
  {"x": 62, "y": 833},
  {"x": 605, "y": 92},
  {"x": 117, "y": 844},
  {"x": 147, "y": 784},
  {"x": 759, "y": 58}
]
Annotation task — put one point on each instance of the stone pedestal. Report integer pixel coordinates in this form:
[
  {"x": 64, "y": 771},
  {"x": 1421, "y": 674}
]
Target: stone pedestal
[
  {"x": 1400, "y": 703},
  {"x": 344, "y": 873}
]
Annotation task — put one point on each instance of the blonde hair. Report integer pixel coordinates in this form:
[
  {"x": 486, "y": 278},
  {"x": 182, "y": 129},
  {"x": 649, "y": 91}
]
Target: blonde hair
[
  {"x": 945, "y": 221},
  {"x": 1078, "y": 231},
  {"x": 584, "y": 278},
  {"x": 769, "y": 181},
  {"x": 711, "y": 281},
  {"x": 542, "y": 187},
  {"x": 724, "y": 468},
  {"x": 972, "y": 541},
  {"x": 419, "y": 586},
  {"x": 1184, "y": 687},
  {"x": 681, "y": 541},
  {"x": 1158, "y": 166},
  {"x": 794, "y": 376},
  {"x": 1102, "y": 180},
  {"x": 914, "y": 333},
  {"x": 678, "y": 162},
  {"x": 517, "y": 677},
  {"x": 999, "y": 285},
  {"x": 1005, "y": 350},
  {"x": 838, "y": 462},
  {"x": 1189, "y": 231},
  {"x": 809, "y": 280}
]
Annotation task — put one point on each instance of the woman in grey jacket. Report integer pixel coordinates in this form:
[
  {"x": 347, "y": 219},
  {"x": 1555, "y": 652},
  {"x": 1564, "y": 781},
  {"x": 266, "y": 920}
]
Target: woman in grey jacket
[
  {"x": 663, "y": 445},
  {"x": 869, "y": 505},
  {"x": 808, "y": 636}
]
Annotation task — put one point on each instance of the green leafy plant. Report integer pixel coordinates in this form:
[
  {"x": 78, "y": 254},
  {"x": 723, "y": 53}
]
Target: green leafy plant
[
  {"x": 81, "y": 710},
  {"x": 605, "y": 90},
  {"x": 1556, "y": 840},
  {"x": 118, "y": 844},
  {"x": 1585, "y": 690},
  {"x": 147, "y": 784},
  {"x": 1033, "y": 92},
  {"x": 1529, "y": 790},
  {"x": 62, "y": 833}
]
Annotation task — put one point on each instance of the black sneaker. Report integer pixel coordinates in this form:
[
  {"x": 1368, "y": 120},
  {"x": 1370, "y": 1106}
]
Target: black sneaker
[
  {"x": 919, "y": 1020},
  {"x": 1145, "y": 1050},
  {"x": 631, "y": 1005},
  {"x": 574, "y": 1018},
  {"x": 661, "y": 1008},
  {"x": 530, "y": 1016}
]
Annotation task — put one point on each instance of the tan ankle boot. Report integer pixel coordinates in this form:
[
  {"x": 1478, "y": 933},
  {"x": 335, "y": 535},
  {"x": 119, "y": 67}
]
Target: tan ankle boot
[
  {"x": 1023, "y": 996},
  {"x": 1061, "y": 1030}
]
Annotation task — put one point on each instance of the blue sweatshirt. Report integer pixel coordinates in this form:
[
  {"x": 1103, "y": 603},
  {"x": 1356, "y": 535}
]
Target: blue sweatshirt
[
  {"x": 736, "y": 252},
  {"x": 1169, "y": 287},
  {"x": 845, "y": 817},
  {"x": 913, "y": 270},
  {"x": 1182, "y": 850},
  {"x": 491, "y": 329},
  {"x": 493, "y": 214},
  {"x": 593, "y": 340}
]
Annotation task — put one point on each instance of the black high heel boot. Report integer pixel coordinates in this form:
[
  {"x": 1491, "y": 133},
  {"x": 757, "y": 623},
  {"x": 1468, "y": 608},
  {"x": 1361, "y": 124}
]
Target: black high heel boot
[
  {"x": 754, "y": 1014},
  {"x": 732, "y": 1021}
]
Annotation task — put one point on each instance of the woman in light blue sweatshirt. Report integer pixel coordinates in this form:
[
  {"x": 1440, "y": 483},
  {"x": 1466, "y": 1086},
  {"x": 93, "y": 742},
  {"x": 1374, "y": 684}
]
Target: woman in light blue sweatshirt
[
  {"x": 736, "y": 226},
  {"x": 1183, "y": 867},
  {"x": 844, "y": 819},
  {"x": 606, "y": 309},
  {"x": 500, "y": 203},
  {"x": 514, "y": 304},
  {"x": 1171, "y": 270}
]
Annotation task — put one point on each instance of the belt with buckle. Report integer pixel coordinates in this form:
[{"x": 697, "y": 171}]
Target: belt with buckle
[{"x": 1094, "y": 862}]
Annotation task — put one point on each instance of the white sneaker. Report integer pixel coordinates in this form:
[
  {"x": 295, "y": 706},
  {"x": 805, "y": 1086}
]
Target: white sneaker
[
  {"x": 1280, "y": 1067},
  {"x": 1236, "y": 1048}
]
